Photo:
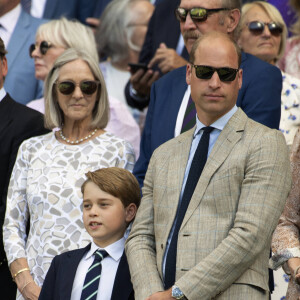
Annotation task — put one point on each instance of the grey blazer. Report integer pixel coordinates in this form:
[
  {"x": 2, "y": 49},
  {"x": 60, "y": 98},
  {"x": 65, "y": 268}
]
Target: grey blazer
[{"x": 226, "y": 233}]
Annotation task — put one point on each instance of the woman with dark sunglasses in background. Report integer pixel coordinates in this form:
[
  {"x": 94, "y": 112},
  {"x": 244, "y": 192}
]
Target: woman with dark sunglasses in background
[
  {"x": 52, "y": 39},
  {"x": 49, "y": 170},
  {"x": 263, "y": 33}
]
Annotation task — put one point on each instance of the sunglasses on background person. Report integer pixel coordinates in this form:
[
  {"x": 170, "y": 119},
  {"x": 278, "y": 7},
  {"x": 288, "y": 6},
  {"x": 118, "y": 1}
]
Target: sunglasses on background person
[
  {"x": 87, "y": 87},
  {"x": 206, "y": 72},
  {"x": 198, "y": 14},
  {"x": 44, "y": 47},
  {"x": 257, "y": 27}
]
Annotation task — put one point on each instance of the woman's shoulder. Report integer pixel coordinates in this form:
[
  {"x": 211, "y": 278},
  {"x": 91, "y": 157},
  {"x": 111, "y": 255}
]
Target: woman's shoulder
[
  {"x": 112, "y": 138},
  {"x": 37, "y": 140}
]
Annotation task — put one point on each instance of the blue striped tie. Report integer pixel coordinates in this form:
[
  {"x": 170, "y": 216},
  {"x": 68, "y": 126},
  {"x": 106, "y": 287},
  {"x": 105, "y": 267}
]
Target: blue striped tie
[{"x": 91, "y": 282}]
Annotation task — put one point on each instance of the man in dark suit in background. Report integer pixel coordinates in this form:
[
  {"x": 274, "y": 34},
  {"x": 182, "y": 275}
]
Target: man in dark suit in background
[
  {"x": 17, "y": 123},
  {"x": 163, "y": 50}
]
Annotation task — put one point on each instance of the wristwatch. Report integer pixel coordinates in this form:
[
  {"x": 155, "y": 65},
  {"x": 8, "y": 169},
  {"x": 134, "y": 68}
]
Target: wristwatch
[{"x": 177, "y": 293}]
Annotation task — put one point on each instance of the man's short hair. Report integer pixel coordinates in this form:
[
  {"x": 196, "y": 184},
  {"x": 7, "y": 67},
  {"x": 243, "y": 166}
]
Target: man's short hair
[
  {"x": 215, "y": 34},
  {"x": 2, "y": 48},
  {"x": 117, "y": 182},
  {"x": 232, "y": 4}
]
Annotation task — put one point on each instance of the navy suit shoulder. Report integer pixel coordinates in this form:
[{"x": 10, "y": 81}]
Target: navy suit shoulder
[
  {"x": 61, "y": 274},
  {"x": 165, "y": 100},
  {"x": 70, "y": 9},
  {"x": 260, "y": 95}
]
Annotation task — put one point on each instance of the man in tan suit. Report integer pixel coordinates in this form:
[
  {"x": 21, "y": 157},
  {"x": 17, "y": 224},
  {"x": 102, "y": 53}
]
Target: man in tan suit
[{"x": 223, "y": 242}]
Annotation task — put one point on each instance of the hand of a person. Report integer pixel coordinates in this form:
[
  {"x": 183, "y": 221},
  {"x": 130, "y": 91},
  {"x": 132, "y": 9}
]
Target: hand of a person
[
  {"x": 167, "y": 59},
  {"x": 166, "y": 295},
  {"x": 31, "y": 291},
  {"x": 141, "y": 81}
]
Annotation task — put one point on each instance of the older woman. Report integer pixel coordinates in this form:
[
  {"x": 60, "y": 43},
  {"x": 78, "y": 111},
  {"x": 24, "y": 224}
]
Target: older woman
[
  {"x": 52, "y": 39},
  {"x": 263, "y": 33},
  {"x": 120, "y": 38},
  {"x": 49, "y": 170}
]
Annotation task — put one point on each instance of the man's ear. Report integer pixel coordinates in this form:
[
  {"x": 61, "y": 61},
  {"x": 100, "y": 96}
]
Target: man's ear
[
  {"x": 130, "y": 212},
  {"x": 233, "y": 19},
  {"x": 188, "y": 75}
]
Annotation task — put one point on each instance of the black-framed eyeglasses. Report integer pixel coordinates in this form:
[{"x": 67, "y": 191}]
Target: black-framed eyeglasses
[
  {"x": 44, "y": 47},
  {"x": 87, "y": 87},
  {"x": 257, "y": 27},
  {"x": 198, "y": 14},
  {"x": 206, "y": 72}
]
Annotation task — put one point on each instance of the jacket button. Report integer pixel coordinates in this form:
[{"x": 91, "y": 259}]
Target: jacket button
[{"x": 162, "y": 246}]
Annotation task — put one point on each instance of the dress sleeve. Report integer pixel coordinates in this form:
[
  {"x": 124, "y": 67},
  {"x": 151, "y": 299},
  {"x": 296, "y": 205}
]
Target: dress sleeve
[
  {"x": 126, "y": 157},
  {"x": 17, "y": 213},
  {"x": 285, "y": 242}
]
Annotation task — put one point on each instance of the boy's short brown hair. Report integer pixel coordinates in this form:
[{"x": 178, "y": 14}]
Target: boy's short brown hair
[{"x": 117, "y": 182}]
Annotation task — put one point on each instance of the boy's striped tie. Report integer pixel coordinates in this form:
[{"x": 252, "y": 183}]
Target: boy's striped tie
[{"x": 91, "y": 282}]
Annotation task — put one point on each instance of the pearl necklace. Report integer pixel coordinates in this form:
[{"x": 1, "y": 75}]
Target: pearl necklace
[{"x": 77, "y": 141}]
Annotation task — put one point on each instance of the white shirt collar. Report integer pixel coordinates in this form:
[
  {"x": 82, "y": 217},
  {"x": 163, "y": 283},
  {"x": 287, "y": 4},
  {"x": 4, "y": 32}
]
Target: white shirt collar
[
  {"x": 2, "y": 94},
  {"x": 114, "y": 250},
  {"x": 219, "y": 124},
  {"x": 10, "y": 19}
]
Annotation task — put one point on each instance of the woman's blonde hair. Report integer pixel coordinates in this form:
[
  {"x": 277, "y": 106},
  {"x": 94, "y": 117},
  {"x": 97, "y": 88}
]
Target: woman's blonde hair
[
  {"x": 69, "y": 34},
  {"x": 54, "y": 116},
  {"x": 274, "y": 15}
]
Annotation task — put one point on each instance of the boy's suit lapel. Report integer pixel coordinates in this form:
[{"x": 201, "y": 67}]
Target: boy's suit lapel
[
  {"x": 71, "y": 264},
  {"x": 122, "y": 288}
]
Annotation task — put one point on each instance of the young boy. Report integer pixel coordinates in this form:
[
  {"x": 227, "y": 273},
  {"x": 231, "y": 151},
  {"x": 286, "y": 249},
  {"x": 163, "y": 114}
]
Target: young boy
[{"x": 111, "y": 197}]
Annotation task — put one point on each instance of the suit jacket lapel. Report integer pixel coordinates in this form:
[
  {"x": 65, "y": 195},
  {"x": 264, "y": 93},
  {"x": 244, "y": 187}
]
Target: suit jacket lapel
[
  {"x": 50, "y": 8},
  {"x": 71, "y": 264},
  {"x": 122, "y": 288},
  {"x": 175, "y": 178},
  {"x": 226, "y": 141},
  {"x": 6, "y": 106},
  {"x": 19, "y": 38}
]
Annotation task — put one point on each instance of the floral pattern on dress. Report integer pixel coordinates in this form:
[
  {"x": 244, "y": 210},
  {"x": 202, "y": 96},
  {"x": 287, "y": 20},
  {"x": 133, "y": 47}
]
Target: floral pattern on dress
[
  {"x": 290, "y": 110},
  {"x": 285, "y": 242}
]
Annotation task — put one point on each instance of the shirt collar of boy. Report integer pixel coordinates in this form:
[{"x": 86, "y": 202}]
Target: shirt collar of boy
[{"x": 115, "y": 250}]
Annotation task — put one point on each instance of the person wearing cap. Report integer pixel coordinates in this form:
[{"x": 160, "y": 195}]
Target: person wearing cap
[{"x": 17, "y": 123}]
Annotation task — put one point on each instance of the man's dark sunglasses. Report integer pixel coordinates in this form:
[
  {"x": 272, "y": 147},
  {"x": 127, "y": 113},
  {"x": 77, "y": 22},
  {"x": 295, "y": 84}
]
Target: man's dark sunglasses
[
  {"x": 198, "y": 14},
  {"x": 87, "y": 87},
  {"x": 206, "y": 72},
  {"x": 44, "y": 47},
  {"x": 257, "y": 28}
]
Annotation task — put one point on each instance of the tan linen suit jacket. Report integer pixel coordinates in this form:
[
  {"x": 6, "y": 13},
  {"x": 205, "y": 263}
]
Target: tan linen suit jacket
[{"x": 226, "y": 233}]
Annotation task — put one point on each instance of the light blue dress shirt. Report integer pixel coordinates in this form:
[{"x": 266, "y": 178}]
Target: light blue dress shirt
[{"x": 219, "y": 126}]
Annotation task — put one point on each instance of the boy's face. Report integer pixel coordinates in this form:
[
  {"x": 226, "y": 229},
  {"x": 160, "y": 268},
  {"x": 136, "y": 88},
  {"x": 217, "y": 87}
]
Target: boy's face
[{"x": 104, "y": 216}]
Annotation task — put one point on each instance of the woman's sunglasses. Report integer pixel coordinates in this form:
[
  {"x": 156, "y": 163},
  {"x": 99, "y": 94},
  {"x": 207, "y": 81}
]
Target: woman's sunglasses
[
  {"x": 44, "y": 47},
  {"x": 198, "y": 14},
  {"x": 87, "y": 87},
  {"x": 206, "y": 72},
  {"x": 257, "y": 28}
]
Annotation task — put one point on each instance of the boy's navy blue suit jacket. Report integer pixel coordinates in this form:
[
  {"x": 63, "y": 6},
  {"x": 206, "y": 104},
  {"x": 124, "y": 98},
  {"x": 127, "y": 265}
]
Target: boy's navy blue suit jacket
[{"x": 60, "y": 277}]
